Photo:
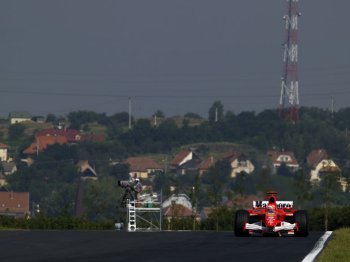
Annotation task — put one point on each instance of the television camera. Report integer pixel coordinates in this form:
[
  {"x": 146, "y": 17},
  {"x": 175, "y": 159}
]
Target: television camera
[
  {"x": 125, "y": 183},
  {"x": 132, "y": 190}
]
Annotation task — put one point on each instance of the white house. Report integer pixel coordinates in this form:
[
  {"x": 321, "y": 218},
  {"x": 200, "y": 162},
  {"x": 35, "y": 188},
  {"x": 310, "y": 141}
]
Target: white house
[
  {"x": 178, "y": 206},
  {"x": 178, "y": 199},
  {"x": 3, "y": 152},
  {"x": 239, "y": 163},
  {"x": 319, "y": 161},
  {"x": 286, "y": 157},
  {"x": 18, "y": 117},
  {"x": 326, "y": 165}
]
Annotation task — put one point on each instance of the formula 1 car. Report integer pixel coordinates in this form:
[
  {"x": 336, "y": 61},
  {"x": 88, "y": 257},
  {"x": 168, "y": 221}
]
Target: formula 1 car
[{"x": 271, "y": 217}]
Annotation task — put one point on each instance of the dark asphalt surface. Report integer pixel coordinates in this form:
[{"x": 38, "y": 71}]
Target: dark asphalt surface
[{"x": 151, "y": 246}]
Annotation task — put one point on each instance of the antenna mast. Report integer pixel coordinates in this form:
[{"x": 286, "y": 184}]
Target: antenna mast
[
  {"x": 289, "y": 99},
  {"x": 129, "y": 112}
]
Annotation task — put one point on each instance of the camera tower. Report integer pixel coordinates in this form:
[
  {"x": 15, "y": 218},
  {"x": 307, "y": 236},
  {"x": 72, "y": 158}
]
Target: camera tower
[{"x": 289, "y": 99}]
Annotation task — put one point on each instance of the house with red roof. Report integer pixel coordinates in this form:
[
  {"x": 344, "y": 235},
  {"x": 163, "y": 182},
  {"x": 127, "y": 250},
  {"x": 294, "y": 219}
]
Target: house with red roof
[
  {"x": 3, "y": 152},
  {"x": 42, "y": 142},
  {"x": 206, "y": 164},
  {"x": 51, "y": 136},
  {"x": 316, "y": 156},
  {"x": 184, "y": 161},
  {"x": 286, "y": 157},
  {"x": 14, "y": 204},
  {"x": 142, "y": 167},
  {"x": 238, "y": 161},
  {"x": 72, "y": 135}
]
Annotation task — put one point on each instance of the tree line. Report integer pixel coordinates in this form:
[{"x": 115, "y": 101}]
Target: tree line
[{"x": 52, "y": 179}]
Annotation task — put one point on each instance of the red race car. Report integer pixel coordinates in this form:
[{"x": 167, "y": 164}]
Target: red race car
[{"x": 271, "y": 217}]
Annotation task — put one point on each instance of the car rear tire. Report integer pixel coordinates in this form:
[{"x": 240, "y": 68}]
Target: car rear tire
[
  {"x": 301, "y": 218},
  {"x": 242, "y": 217}
]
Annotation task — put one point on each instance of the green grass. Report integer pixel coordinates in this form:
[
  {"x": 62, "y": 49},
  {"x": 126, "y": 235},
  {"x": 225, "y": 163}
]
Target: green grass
[
  {"x": 31, "y": 127},
  {"x": 338, "y": 249},
  {"x": 7, "y": 228},
  {"x": 96, "y": 128}
]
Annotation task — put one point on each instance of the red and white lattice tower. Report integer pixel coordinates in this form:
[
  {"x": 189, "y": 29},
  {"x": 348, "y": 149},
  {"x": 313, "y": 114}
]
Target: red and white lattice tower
[{"x": 289, "y": 100}]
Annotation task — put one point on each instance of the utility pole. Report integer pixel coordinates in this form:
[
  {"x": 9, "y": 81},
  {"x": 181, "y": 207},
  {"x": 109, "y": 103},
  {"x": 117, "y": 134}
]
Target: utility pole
[
  {"x": 129, "y": 112},
  {"x": 155, "y": 119},
  {"x": 216, "y": 114},
  {"x": 332, "y": 105},
  {"x": 289, "y": 99}
]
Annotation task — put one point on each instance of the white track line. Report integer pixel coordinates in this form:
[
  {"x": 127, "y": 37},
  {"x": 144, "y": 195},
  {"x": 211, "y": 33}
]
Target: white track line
[{"x": 318, "y": 247}]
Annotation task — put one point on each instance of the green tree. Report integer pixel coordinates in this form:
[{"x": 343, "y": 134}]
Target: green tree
[
  {"x": 51, "y": 118},
  {"x": 302, "y": 188},
  {"x": 264, "y": 180},
  {"x": 120, "y": 171},
  {"x": 218, "y": 177},
  {"x": 283, "y": 170},
  {"x": 239, "y": 183},
  {"x": 159, "y": 113},
  {"x": 59, "y": 200},
  {"x": 161, "y": 181},
  {"x": 102, "y": 197},
  {"x": 16, "y": 131},
  {"x": 329, "y": 187}
]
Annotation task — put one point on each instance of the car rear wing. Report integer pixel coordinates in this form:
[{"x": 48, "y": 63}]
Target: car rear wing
[{"x": 279, "y": 204}]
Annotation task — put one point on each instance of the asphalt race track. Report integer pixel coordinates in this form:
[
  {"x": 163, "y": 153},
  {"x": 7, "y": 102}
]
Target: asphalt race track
[{"x": 157, "y": 246}]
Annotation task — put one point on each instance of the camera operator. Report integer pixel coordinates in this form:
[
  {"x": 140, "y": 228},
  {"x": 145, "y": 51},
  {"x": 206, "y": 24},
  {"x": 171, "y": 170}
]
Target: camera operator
[
  {"x": 137, "y": 189},
  {"x": 130, "y": 186}
]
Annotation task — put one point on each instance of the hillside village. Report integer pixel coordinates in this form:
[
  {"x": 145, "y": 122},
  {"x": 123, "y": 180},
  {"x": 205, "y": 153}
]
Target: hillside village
[{"x": 178, "y": 171}]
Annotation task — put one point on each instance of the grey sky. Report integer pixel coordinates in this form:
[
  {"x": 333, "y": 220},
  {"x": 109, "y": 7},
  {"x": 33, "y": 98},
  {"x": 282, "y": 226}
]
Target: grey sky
[{"x": 179, "y": 56}]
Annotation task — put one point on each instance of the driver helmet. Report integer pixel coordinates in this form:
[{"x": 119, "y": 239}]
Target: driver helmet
[{"x": 271, "y": 207}]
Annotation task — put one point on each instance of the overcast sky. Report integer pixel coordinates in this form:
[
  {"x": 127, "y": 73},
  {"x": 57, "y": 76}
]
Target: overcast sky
[{"x": 58, "y": 56}]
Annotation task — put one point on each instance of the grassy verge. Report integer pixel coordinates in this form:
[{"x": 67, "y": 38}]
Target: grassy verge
[{"x": 338, "y": 248}]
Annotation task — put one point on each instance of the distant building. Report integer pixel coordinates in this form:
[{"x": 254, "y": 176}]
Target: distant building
[
  {"x": 286, "y": 157},
  {"x": 71, "y": 135},
  {"x": 325, "y": 166},
  {"x": 319, "y": 161},
  {"x": 178, "y": 206},
  {"x": 39, "y": 119},
  {"x": 3, "y": 152},
  {"x": 8, "y": 168},
  {"x": 239, "y": 163},
  {"x": 18, "y": 117},
  {"x": 206, "y": 164},
  {"x": 2, "y": 180},
  {"x": 185, "y": 160},
  {"x": 86, "y": 171},
  {"x": 42, "y": 142},
  {"x": 14, "y": 204},
  {"x": 5, "y": 170},
  {"x": 344, "y": 185},
  {"x": 316, "y": 156},
  {"x": 142, "y": 167}
]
